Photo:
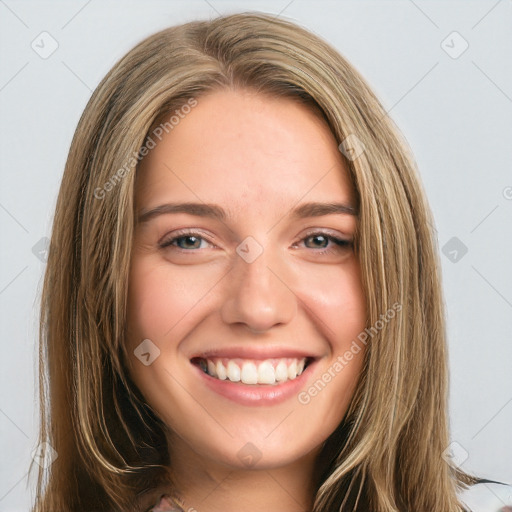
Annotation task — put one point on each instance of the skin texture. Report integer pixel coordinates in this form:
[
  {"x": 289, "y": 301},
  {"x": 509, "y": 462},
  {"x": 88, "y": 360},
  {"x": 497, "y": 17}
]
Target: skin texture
[{"x": 258, "y": 158}]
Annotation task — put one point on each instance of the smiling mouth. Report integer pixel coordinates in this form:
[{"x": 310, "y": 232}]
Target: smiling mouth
[{"x": 253, "y": 371}]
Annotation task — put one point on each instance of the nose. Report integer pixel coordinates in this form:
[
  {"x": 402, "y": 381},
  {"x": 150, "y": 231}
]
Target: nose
[{"x": 258, "y": 296}]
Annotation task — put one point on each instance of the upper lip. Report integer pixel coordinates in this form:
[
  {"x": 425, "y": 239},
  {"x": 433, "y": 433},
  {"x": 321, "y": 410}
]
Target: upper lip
[{"x": 246, "y": 352}]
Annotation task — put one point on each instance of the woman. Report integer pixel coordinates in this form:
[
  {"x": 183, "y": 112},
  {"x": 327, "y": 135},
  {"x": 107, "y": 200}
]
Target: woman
[{"x": 242, "y": 307}]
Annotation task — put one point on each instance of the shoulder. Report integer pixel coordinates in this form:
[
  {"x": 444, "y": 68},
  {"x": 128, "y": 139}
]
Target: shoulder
[
  {"x": 481, "y": 497},
  {"x": 487, "y": 497}
]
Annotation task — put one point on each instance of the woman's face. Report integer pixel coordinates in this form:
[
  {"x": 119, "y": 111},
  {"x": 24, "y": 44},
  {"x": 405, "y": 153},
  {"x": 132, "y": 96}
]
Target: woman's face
[{"x": 243, "y": 272}]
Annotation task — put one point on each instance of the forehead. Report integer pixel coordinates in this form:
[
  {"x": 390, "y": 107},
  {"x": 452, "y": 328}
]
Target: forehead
[{"x": 242, "y": 148}]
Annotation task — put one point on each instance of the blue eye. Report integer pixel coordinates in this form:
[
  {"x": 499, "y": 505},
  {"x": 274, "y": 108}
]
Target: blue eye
[
  {"x": 325, "y": 241},
  {"x": 188, "y": 241}
]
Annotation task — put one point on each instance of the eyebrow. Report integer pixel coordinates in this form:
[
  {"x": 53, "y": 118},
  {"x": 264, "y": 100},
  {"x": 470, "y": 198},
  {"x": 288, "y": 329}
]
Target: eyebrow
[
  {"x": 216, "y": 212},
  {"x": 319, "y": 209}
]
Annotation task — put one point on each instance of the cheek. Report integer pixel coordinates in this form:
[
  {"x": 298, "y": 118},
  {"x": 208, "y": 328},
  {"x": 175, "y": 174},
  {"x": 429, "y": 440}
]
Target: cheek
[
  {"x": 333, "y": 295},
  {"x": 337, "y": 304},
  {"x": 160, "y": 298}
]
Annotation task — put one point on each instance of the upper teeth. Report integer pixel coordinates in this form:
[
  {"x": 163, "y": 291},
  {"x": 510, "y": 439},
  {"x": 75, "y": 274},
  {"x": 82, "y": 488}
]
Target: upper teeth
[{"x": 268, "y": 371}]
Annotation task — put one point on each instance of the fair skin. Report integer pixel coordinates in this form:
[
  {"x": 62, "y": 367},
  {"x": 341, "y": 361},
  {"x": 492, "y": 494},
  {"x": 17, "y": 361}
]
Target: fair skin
[{"x": 289, "y": 293}]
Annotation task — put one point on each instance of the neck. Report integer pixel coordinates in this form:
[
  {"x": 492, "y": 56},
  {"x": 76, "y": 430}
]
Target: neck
[{"x": 208, "y": 486}]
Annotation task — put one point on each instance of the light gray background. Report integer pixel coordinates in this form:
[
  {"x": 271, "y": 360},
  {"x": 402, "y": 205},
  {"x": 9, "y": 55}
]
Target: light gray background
[{"x": 455, "y": 112}]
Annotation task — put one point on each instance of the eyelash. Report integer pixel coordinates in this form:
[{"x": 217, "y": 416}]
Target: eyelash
[{"x": 341, "y": 243}]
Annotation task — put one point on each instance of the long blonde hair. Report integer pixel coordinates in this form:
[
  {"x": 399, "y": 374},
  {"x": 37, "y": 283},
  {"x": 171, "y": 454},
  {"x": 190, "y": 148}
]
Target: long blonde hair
[{"x": 387, "y": 454}]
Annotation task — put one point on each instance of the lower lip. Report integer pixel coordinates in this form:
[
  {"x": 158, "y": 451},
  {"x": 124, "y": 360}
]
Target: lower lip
[{"x": 256, "y": 394}]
